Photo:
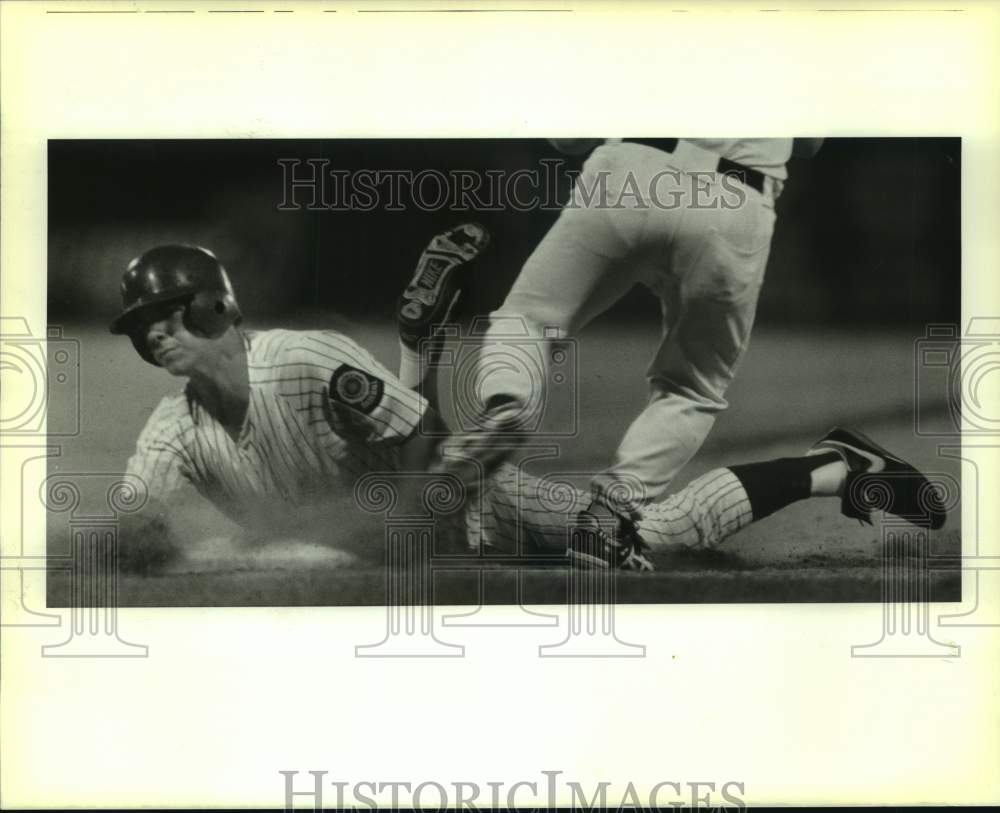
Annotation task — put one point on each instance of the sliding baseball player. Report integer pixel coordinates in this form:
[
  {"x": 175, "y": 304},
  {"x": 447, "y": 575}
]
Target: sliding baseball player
[{"x": 269, "y": 423}]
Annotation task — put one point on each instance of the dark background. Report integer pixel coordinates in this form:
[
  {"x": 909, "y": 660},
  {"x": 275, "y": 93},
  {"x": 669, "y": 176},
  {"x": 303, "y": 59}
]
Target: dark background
[{"x": 867, "y": 234}]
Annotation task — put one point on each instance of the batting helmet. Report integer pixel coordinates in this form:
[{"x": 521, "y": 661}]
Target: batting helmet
[{"x": 174, "y": 273}]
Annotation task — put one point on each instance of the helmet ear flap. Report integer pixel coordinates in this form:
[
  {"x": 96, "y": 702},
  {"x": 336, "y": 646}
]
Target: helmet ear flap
[
  {"x": 212, "y": 312},
  {"x": 142, "y": 348}
]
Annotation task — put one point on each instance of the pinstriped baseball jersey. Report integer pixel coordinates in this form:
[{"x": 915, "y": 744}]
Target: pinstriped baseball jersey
[{"x": 322, "y": 411}]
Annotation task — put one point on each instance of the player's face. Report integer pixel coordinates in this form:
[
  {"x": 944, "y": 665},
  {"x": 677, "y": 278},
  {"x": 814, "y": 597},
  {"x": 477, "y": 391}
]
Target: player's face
[{"x": 176, "y": 348}]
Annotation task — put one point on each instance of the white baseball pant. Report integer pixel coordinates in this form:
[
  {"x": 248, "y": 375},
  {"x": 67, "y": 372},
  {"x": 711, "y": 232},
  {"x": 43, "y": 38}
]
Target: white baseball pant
[{"x": 699, "y": 241}]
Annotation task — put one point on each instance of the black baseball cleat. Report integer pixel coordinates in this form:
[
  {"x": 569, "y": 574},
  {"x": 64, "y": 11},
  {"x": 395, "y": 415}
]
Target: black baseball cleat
[
  {"x": 592, "y": 545},
  {"x": 878, "y": 480},
  {"x": 428, "y": 300}
]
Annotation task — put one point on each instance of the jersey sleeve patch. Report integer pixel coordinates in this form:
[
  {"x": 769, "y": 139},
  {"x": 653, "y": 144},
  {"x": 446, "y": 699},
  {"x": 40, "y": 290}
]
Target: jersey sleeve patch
[{"x": 357, "y": 389}]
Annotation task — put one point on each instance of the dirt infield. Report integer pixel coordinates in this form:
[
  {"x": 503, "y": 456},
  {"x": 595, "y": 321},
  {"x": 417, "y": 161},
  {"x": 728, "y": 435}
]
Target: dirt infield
[{"x": 790, "y": 389}]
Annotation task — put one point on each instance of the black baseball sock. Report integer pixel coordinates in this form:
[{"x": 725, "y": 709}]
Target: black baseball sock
[{"x": 777, "y": 483}]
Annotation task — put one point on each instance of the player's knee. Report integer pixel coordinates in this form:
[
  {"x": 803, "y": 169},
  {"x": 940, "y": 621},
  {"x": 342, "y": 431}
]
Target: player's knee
[
  {"x": 705, "y": 397},
  {"x": 529, "y": 318}
]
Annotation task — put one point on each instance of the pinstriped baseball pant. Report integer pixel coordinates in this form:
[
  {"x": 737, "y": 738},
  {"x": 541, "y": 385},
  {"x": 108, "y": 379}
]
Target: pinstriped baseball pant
[
  {"x": 705, "y": 264},
  {"x": 521, "y": 512}
]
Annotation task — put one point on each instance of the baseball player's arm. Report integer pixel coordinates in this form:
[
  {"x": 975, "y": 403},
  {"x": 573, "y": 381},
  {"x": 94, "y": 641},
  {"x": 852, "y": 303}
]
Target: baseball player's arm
[
  {"x": 146, "y": 544},
  {"x": 420, "y": 451},
  {"x": 366, "y": 401},
  {"x": 806, "y": 147},
  {"x": 362, "y": 399}
]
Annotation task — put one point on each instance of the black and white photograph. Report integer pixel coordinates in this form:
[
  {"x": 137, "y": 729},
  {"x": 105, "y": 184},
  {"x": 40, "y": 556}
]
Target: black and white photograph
[
  {"x": 711, "y": 366},
  {"x": 483, "y": 404}
]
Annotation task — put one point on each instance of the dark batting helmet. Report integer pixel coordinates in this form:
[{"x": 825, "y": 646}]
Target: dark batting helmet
[{"x": 184, "y": 274}]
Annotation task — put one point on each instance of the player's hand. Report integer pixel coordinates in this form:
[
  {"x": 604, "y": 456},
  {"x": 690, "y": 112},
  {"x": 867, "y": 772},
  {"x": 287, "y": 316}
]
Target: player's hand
[
  {"x": 146, "y": 545},
  {"x": 474, "y": 456}
]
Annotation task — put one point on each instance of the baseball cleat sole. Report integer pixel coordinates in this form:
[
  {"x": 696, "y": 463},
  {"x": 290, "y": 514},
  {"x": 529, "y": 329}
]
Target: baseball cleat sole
[
  {"x": 431, "y": 294},
  {"x": 878, "y": 480}
]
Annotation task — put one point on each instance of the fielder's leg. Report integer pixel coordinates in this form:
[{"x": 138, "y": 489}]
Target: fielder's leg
[
  {"x": 716, "y": 269},
  {"x": 586, "y": 262},
  {"x": 582, "y": 266},
  {"x": 571, "y": 276}
]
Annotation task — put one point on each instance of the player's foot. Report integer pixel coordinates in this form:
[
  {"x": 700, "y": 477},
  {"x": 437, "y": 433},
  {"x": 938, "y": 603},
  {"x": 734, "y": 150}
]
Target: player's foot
[
  {"x": 878, "y": 480},
  {"x": 430, "y": 296},
  {"x": 593, "y": 545}
]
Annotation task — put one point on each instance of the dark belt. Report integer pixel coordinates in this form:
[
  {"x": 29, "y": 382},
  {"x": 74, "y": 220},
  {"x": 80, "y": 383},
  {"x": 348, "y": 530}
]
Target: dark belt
[{"x": 750, "y": 177}]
